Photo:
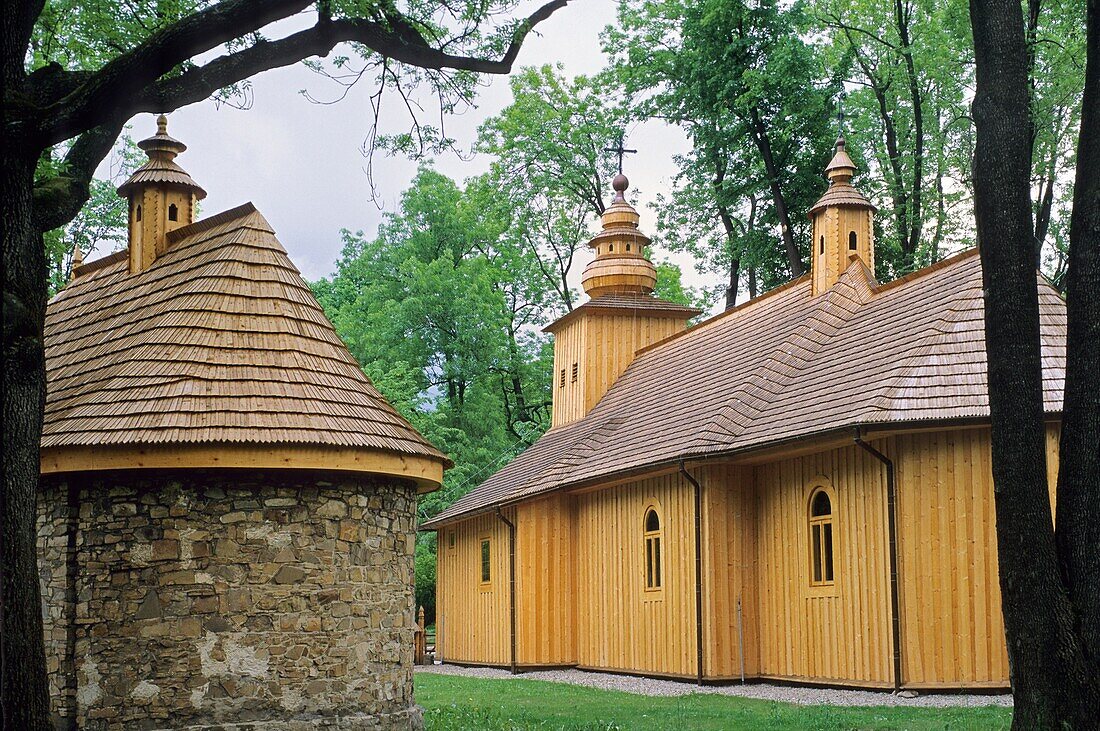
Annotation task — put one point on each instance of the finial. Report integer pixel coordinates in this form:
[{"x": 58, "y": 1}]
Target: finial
[
  {"x": 840, "y": 116},
  {"x": 620, "y": 184},
  {"x": 162, "y": 125},
  {"x": 78, "y": 261}
]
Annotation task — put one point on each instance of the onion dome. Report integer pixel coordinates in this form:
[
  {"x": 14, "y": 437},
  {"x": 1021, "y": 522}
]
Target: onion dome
[{"x": 621, "y": 265}]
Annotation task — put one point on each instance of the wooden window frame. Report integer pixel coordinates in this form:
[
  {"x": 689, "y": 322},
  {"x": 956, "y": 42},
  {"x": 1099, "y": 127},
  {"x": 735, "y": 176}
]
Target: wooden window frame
[
  {"x": 853, "y": 241},
  {"x": 485, "y": 564},
  {"x": 452, "y": 540},
  {"x": 653, "y": 558},
  {"x": 822, "y": 561}
]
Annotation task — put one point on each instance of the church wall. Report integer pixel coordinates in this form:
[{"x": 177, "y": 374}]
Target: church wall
[
  {"x": 729, "y": 571},
  {"x": 839, "y": 633},
  {"x": 473, "y": 617},
  {"x": 951, "y": 624},
  {"x": 601, "y": 345},
  {"x": 621, "y": 625},
  {"x": 545, "y": 591},
  {"x": 613, "y": 341},
  {"x": 568, "y": 395},
  {"x": 205, "y": 598}
]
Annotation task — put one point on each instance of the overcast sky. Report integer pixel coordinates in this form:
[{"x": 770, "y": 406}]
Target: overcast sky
[{"x": 301, "y": 164}]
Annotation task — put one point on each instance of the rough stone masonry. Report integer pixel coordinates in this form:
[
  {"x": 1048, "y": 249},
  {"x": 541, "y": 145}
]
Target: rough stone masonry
[{"x": 230, "y": 599}]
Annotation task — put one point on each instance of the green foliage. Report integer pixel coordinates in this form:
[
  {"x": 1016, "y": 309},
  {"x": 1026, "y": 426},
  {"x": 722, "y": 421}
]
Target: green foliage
[
  {"x": 455, "y": 702},
  {"x": 102, "y": 220},
  {"x": 550, "y": 167},
  {"x": 671, "y": 287},
  {"x": 442, "y": 312},
  {"x": 424, "y": 570},
  {"x": 754, "y": 99}
]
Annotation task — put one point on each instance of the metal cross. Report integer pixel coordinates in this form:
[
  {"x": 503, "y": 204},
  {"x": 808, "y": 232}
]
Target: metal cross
[
  {"x": 620, "y": 151},
  {"x": 840, "y": 114}
]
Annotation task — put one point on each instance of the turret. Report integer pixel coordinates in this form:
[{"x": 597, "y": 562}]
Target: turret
[
  {"x": 620, "y": 266},
  {"x": 596, "y": 342},
  {"x": 843, "y": 224},
  {"x": 162, "y": 197}
]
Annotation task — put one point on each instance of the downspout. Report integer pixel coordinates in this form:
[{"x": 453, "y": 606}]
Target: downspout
[
  {"x": 511, "y": 585},
  {"x": 892, "y": 529},
  {"x": 698, "y": 572}
]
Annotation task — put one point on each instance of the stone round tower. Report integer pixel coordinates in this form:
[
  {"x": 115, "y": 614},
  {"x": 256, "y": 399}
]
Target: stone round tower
[{"x": 228, "y": 505}]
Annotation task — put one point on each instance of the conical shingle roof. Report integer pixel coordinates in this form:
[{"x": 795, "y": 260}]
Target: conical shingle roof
[{"x": 220, "y": 342}]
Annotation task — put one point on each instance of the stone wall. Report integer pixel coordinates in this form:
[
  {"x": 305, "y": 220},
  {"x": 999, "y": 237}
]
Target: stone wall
[{"x": 194, "y": 599}]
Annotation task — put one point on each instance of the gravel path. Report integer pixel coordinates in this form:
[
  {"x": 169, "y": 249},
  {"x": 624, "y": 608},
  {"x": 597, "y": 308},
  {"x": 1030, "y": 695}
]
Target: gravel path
[{"x": 763, "y": 691}]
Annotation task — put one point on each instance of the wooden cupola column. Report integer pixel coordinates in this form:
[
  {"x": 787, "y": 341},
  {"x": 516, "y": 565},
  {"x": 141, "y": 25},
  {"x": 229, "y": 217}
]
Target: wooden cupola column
[
  {"x": 596, "y": 342},
  {"x": 162, "y": 198},
  {"x": 621, "y": 265},
  {"x": 843, "y": 224}
]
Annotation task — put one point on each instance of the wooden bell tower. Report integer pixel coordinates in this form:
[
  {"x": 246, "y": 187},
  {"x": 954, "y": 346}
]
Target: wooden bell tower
[{"x": 843, "y": 224}]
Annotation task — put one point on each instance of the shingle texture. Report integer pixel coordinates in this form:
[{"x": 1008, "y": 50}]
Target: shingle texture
[
  {"x": 627, "y": 301},
  {"x": 219, "y": 340},
  {"x": 782, "y": 367}
]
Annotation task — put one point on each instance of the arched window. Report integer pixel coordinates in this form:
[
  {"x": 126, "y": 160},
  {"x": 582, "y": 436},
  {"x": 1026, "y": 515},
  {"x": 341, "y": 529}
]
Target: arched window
[
  {"x": 652, "y": 536},
  {"x": 137, "y": 214},
  {"x": 821, "y": 538},
  {"x": 610, "y": 247},
  {"x": 173, "y": 213},
  {"x": 852, "y": 240},
  {"x": 822, "y": 244}
]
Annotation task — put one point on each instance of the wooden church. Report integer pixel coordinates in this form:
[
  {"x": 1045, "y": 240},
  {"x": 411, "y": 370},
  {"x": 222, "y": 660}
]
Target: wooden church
[
  {"x": 227, "y": 504},
  {"x": 797, "y": 489}
]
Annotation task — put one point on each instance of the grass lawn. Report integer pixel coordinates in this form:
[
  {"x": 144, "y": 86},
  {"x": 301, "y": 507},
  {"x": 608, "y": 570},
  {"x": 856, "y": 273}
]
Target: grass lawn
[{"x": 452, "y": 702}]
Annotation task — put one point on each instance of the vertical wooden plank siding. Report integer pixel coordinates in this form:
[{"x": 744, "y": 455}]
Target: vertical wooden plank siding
[
  {"x": 602, "y": 344},
  {"x": 621, "y": 625},
  {"x": 581, "y": 594},
  {"x": 475, "y": 627},
  {"x": 729, "y": 571},
  {"x": 612, "y": 342},
  {"x": 569, "y": 348},
  {"x": 825, "y": 634},
  {"x": 545, "y": 595},
  {"x": 952, "y": 628}
]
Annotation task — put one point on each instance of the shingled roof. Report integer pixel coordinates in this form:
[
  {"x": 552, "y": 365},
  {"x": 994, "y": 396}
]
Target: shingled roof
[
  {"x": 625, "y": 301},
  {"x": 783, "y": 367},
  {"x": 218, "y": 341}
]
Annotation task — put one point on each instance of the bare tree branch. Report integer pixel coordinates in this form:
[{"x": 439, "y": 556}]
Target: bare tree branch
[
  {"x": 113, "y": 92},
  {"x": 100, "y": 91}
]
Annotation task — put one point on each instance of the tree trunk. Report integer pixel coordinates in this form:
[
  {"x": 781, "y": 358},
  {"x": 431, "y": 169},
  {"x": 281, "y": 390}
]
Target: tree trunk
[
  {"x": 1078, "y": 507},
  {"x": 22, "y": 652},
  {"x": 763, "y": 144},
  {"x": 1050, "y": 679},
  {"x": 911, "y": 240}
]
